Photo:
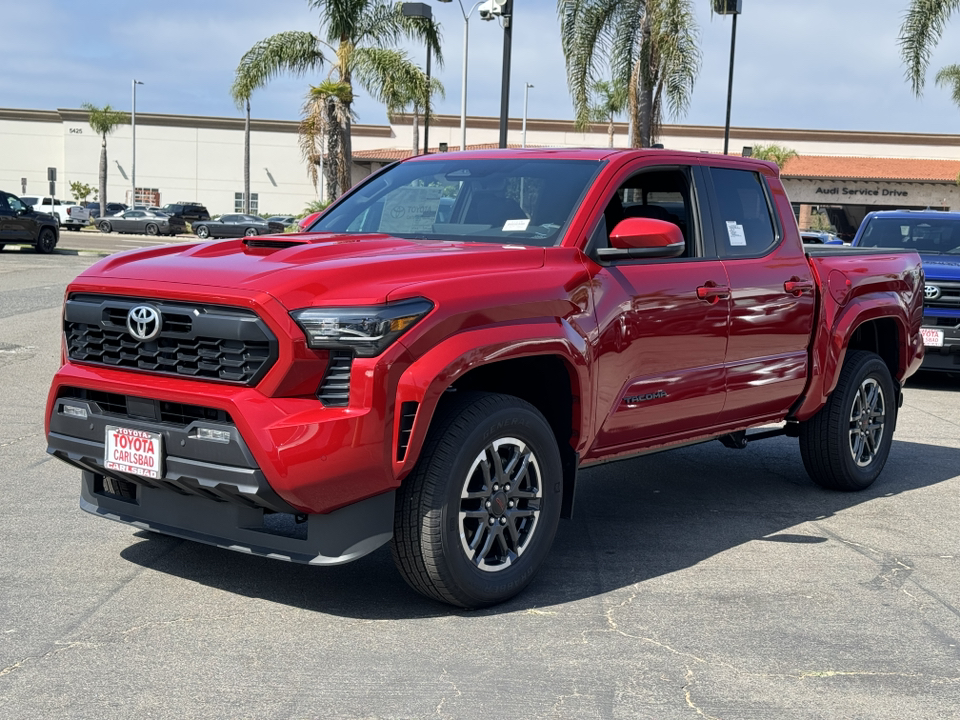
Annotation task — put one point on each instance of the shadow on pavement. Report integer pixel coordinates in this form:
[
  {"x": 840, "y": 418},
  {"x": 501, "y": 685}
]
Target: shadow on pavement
[
  {"x": 935, "y": 380},
  {"x": 634, "y": 520}
]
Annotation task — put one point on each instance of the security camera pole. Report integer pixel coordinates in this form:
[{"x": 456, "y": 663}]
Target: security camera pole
[{"x": 506, "y": 12}]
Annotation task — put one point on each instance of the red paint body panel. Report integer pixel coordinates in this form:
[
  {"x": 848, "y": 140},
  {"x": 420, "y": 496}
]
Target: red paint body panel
[{"x": 650, "y": 363}]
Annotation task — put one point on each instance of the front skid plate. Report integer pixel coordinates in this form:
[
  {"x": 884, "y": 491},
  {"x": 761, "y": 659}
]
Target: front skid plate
[{"x": 331, "y": 539}]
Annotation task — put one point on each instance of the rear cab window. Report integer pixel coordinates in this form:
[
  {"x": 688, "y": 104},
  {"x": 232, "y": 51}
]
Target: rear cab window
[{"x": 745, "y": 225}]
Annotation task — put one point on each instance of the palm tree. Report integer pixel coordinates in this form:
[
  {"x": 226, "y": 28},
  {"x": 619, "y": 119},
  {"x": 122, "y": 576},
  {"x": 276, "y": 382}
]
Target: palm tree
[
  {"x": 775, "y": 153},
  {"x": 609, "y": 100},
  {"x": 352, "y": 32},
  {"x": 104, "y": 121},
  {"x": 921, "y": 31},
  {"x": 651, "y": 47},
  {"x": 949, "y": 77}
]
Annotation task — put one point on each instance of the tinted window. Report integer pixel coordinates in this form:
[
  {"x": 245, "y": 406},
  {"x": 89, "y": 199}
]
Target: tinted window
[
  {"x": 496, "y": 200},
  {"x": 926, "y": 235},
  {"x": 745, "y": 226}
]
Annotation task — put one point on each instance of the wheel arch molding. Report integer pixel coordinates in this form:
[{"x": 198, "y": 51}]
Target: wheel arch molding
[{"x": 539, "y": 363}]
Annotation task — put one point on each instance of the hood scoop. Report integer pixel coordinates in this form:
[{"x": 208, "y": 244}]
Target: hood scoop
[{"x": 273, "y": 242}]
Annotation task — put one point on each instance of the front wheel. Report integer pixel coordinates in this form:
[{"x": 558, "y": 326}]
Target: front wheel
[
  {"x": 152, "y": 229},
  {"x": 846, "y": 444},
  {"x": 105, "y": 227},
  {"x": 477, "y": 517},
  {"x": 203, "y": 232},
  {"x": 46, "y": 242}
]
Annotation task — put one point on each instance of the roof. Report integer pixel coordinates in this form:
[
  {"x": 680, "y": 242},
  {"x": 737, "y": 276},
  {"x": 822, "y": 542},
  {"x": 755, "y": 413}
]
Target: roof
[{"x": 866, "y": 168}]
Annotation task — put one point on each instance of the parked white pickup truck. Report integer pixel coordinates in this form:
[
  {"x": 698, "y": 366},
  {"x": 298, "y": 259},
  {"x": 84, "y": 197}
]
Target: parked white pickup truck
[{"x": 70, "y": 214}]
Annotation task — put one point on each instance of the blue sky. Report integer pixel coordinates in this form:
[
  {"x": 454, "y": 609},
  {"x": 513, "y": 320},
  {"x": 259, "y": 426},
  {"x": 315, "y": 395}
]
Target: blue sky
[{"x": 821, "y": 64}]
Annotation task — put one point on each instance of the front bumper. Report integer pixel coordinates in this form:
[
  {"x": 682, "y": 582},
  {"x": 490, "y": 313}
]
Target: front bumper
[
  {"x": 213, "y": 493},
  {"x": 945, "y": 358}
]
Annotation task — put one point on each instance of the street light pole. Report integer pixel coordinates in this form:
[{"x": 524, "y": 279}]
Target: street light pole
[
  {"x": 463, "y": 83},
  {"x": 729, "y": 7},
  {"x": 422, "y": 10},
  {"x": 506, "y": 13},
  {"x": 133, "y": 129},
  {"x": 526, "y": 93}
]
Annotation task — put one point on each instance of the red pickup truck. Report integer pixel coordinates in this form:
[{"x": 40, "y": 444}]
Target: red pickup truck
[{"x": 431, "y": 363}]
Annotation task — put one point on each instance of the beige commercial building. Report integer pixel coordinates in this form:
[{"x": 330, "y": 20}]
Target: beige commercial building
[{"x": 840, "y": 174}]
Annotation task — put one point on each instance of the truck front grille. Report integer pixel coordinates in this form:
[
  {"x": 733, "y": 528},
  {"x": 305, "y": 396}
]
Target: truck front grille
[
  {"x": 948, "y": 297},
  {"x": 209, "y": 342}
]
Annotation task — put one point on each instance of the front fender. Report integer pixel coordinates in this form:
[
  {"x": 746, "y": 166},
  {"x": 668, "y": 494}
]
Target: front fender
[{"x": 426, "y": 379}]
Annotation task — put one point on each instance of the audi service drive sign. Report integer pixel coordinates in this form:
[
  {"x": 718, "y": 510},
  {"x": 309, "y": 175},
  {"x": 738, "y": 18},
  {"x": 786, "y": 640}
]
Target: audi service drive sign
[{"x": 133, "y": 451}]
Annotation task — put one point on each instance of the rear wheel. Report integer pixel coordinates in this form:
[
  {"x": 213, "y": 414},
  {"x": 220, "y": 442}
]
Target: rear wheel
[
  {"x": 477, "y": 517},
  {"x": 152, "y": 229},
  {"x": 203, "y": 232},
  {"x": 46, "y": 242},
  {"x": 104, "y": 226},
  {"x": 846, "y": 444}
]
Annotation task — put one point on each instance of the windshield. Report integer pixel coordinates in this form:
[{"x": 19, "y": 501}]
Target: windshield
[
  {"x": 925, "y": 235},
  {"x": 497, "y": 200}
]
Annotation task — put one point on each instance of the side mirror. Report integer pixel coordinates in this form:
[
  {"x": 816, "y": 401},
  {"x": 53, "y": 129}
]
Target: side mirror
[
  {"x": 643, "y": 238},
  {"x": 26, "y": 209}
]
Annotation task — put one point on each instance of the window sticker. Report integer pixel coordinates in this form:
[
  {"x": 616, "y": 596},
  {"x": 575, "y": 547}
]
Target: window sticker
[
  {"x": 410, "y": 210},
  {"x": 735, "y": 232},
  {"x": 516, "y": 225}
]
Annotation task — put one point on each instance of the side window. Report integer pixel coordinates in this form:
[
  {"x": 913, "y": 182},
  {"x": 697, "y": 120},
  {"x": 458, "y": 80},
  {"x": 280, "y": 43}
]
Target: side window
[
  {"x": 745, "y": 227},
  {"x": 14, "y": 204},
  {"x": 659, "y": 193}
]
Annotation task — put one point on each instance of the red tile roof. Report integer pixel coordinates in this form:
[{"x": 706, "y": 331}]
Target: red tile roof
[{"x": 865, "y": 168}]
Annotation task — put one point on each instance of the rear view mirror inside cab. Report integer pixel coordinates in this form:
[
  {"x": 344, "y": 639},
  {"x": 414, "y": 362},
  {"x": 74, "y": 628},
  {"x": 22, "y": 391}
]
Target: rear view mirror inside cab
[{"x": 643, "y": 238}]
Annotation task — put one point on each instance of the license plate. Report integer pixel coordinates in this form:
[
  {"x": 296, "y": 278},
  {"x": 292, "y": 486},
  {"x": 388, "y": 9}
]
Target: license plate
[
  {"x": 137, "y": 452},
  {"x": 931, "y": 337}
]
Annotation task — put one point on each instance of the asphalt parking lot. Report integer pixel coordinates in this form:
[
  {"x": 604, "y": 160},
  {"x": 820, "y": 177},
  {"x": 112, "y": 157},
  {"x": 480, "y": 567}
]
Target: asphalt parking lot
[{"x": 699, "y": 583}]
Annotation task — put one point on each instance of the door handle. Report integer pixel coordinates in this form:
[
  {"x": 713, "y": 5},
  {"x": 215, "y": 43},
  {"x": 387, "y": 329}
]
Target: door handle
[
  {"x": 711, "y": 292},
  {"x": 797, "y": 287}
]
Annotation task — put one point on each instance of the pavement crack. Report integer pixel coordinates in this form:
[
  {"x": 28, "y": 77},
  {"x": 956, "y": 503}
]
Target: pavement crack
[
  {"x": 688, "y": 696},
  {"x": 53, "y": 651}
]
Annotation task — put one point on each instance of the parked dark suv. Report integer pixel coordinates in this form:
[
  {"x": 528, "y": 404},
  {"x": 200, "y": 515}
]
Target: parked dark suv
[
  {"x": 189, "y": 211},
  {"x": 21, "y": 225}
]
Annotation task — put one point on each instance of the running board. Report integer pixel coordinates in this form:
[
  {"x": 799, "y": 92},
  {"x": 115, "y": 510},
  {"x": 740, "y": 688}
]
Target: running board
[{"x": 738, "y": 440}]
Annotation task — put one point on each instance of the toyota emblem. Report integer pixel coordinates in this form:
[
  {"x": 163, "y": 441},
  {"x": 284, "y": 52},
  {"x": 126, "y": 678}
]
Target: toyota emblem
[
  {"x": 143, "y": 322},
  {"x": 931, "y": 292}
]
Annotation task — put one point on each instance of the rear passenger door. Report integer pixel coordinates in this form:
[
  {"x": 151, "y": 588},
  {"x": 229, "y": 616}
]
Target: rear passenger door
[
  {"x": 662, "y": 331},
  {"x": 772, "y": 295}
]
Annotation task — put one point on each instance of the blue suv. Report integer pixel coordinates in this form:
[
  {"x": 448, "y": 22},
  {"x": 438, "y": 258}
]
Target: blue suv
[{"x": 936, "y": 236}]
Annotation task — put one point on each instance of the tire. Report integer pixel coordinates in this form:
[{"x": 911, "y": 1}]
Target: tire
[
  {"x": 203, "y": 232},
  {"x": 2, "y": 246},
  {"x": 456, "y": 539},
  {"x": 250, "y": 232},
  {"x": 46, "y": 242},
  {"x": 105, "y": 227},
  {"x": 152, "y": 229},
  {"x": 846, "y": 444}
]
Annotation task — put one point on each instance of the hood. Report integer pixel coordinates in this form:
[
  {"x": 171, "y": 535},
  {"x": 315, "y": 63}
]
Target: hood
[
  {"x": 303, "y": 269},
  {"x": 941, "y": 267}
]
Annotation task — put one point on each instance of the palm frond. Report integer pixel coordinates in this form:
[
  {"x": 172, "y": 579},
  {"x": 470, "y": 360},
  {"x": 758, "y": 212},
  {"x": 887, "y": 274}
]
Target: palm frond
[
  {"x": 104, "y": 120},
  {"x": 393, "y": 79},
  {"x": 920, "y": 32},
  {"x": 295, "y": 52},
  {"x": 949, "y": 77}
]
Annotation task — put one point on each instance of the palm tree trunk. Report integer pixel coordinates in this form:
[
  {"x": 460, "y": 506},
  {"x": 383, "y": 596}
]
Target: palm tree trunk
[
  {"x": 346, "y": 168},
  {"x": 103, "y": 176},
  {"x": 246, "y": 162},
  {"x": 645, "y": 86},
  {"x": 334, "y": 155},
  {"x": 416, "y": 130},
  {"x": 610, "y": 131}
]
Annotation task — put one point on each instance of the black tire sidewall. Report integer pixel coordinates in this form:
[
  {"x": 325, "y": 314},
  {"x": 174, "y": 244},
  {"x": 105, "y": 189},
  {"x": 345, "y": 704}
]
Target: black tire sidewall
[
  {"x": 104, "y": 227},
  {"x": 477, "y": 586},
  {"x": 46, "y": 241}
]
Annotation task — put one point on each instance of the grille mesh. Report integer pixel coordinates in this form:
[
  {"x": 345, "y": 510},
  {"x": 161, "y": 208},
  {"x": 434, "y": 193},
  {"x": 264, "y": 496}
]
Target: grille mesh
[{"x": 207, "y": 342}]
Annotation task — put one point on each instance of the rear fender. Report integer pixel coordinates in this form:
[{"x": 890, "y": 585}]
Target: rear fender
[
  {"x": 830, "y": 347},
  {"x": 425, "y": 381}
]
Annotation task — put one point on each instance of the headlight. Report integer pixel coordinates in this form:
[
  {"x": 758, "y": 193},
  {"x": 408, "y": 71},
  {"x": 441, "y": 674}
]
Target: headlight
[{"x": 368, "y": 331}]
